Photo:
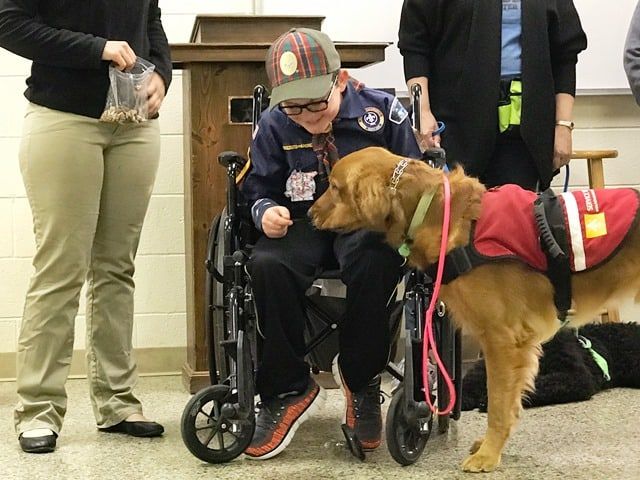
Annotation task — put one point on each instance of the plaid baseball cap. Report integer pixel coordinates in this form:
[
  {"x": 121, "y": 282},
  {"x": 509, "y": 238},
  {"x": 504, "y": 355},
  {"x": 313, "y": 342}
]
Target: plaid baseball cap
[{"x": 301, "y": 64}]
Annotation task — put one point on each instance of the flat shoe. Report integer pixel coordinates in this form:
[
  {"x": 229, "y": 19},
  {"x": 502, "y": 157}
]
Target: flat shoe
[
  {"x": 43, "y": 444},
  {"x": 136, "y": 429}
]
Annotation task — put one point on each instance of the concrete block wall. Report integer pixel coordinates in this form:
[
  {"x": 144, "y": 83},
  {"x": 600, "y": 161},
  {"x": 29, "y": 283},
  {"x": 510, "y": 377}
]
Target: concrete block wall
[{"x": 160, "y": 319}]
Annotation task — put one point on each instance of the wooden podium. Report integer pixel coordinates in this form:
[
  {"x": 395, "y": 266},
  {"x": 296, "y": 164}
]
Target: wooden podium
[{"x": 224, "y": 60}]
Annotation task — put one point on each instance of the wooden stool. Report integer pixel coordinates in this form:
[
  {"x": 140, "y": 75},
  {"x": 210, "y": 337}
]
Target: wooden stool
[
  {"x": 596, "y": 180},
  {"x": 594, "y": 164}
]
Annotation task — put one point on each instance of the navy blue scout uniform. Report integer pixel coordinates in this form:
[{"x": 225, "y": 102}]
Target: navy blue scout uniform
[
  {"x": 282, "y": 149},
  {"x": 282, "y": 269}
]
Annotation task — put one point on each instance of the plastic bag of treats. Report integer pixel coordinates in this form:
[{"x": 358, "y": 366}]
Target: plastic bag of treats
[{"x": 127, "y": 95}]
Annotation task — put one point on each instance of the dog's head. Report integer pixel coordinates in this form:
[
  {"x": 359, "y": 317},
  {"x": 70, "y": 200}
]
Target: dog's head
[
  {"x": 359, "y": 194},
  {"x": 360, "y": 197}
]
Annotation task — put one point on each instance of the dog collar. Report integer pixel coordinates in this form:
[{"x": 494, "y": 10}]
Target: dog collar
[
  {"x": 416, "y": 221},
  {"x": 599, "y": 359},
  {"x": 420, "y": 211},
  {"x": 397, "y": 173}
]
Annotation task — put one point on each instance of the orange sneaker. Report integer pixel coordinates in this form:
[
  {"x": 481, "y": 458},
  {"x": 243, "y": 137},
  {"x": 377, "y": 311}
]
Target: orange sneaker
[
  {"x": 279, "y": 418},
  {"x": 363, "y": 414}
]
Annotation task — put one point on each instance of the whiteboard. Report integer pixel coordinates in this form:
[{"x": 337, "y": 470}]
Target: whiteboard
[
  {"x": 606, "y": 23},
  {"x": 599, "y": 67}
]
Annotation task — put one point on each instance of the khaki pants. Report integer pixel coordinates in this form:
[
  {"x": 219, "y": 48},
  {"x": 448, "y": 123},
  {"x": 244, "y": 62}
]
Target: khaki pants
[{"x": 88, "y": 185}]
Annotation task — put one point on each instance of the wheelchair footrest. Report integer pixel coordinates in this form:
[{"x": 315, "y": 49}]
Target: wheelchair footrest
[{"x": 354, "y": 445}]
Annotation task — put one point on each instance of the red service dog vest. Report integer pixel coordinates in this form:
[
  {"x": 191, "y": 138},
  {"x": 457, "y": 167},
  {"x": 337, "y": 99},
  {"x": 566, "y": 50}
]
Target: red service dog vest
[{"x": 596, "y": 222}]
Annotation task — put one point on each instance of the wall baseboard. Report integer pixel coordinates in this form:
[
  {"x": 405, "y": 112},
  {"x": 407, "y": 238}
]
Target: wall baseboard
[{"x": 151, "y": 361}]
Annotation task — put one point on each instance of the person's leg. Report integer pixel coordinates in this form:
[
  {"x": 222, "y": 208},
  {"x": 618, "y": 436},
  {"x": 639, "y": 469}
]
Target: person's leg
[
  {"x": 61, "y": 164},
  {"x": 281, "y": 271},
  {"x": 511, "y": 163},
  {"x": 130, "y": 164},
  {"x": 371, "y": 270}
]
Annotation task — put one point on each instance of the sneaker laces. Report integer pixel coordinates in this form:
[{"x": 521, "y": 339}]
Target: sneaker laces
[
  {"x": 265, "y": 414},
  {"x": 293, "y": 393},
  {"x": 273, "y": 406},
  {"x": 368, "y": 400}
]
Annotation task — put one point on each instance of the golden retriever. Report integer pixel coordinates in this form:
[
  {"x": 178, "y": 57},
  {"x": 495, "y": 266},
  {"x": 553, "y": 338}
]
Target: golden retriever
[{"x": 507, "y": 306}]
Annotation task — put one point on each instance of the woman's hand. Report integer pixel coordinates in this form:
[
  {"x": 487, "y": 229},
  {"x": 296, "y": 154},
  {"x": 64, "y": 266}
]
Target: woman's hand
[
  {"x": 276, "y": 221},
  {"x": 562, "y": 147},
  {"x": 155, "y": 92},
  {"x": 120, "y": 54},
  {"x": 428, "y": 125}
]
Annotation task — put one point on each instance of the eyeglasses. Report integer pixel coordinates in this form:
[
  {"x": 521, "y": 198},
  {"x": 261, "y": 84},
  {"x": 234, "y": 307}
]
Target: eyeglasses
[{"x": 314, "y": 107}]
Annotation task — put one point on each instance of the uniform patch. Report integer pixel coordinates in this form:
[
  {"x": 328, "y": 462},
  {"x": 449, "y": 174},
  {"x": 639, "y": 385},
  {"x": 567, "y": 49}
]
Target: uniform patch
[
  {"x": 296, "y": 146},
  {"x": 300, "y": 186},
  {"x": 398, "y": 113},
  {"x": 372, "y": 120},
  {"x": 288, "y": 63}
]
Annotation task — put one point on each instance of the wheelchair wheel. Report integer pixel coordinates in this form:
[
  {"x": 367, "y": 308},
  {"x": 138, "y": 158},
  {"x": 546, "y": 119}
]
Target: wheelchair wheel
[
  {"x": 405, "y": 440},
  {"x": 216, "y": 293},
  {"x": 207, "y": 433}
]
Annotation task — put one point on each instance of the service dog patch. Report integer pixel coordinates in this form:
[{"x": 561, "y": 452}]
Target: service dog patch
[
  {"x": 372, "y": 120},
  {"x": 597, "y": 222}
]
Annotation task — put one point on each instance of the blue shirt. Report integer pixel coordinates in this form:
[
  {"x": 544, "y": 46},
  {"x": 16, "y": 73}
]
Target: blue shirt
[
  {"x": 280, "y": 147},
  {"x": 511, "y": 61}
]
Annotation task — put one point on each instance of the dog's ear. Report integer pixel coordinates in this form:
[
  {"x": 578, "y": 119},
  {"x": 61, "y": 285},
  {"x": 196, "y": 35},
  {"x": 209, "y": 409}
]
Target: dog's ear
[
  {"x": 395, "y": 221},
  {"x": 395, "y": 217},
  {"x": 376, "y": 204}
]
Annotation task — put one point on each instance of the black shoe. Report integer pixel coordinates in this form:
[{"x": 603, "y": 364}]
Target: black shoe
[
  {"x": 43, "y": 444},
  {"x": 363, "y": 414},
  {"x": 136, "y": 429},
  {"x": 279, "y": 418}
]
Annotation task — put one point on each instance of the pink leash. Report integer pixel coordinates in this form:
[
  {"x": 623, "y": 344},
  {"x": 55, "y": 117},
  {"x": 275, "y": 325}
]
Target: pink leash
[{"x": 428, "y": 339}]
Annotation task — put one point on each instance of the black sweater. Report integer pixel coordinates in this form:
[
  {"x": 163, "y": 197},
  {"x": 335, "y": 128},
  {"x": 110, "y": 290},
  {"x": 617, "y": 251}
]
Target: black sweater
[
  {"x": 65, "y": 40},
  {"x": 456, "y": 44}
]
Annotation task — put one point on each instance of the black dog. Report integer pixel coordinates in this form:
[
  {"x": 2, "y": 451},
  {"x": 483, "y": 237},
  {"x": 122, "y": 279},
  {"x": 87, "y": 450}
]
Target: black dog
[{"x": 568, "y": 371}]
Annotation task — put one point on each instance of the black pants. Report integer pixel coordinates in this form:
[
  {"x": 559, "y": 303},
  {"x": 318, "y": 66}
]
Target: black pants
[
  {"x": 283, "y": 269},
  {"x": 511, "y": 162}
]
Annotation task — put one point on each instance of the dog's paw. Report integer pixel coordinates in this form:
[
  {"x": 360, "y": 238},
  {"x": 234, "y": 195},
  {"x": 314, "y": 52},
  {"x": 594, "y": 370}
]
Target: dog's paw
[
  {"x": 481, "y": 462},
  {"x": 476, "y": 445}
]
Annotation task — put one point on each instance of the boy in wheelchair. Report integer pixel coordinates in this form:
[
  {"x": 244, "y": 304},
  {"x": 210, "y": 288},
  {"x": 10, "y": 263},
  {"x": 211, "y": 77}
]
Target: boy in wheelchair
[{"x": 317, "y": 113}]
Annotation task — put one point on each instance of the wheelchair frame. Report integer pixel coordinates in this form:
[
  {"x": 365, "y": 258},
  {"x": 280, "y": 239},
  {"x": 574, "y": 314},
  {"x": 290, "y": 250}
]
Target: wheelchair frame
[{"x": 218, "y": 421}]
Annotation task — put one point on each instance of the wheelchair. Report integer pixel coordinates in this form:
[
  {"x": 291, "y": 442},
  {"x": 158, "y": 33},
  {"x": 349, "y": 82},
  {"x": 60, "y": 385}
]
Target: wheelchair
[{"x": 218, "y": 422}]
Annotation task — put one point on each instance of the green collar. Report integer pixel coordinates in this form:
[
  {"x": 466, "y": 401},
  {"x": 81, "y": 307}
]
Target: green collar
[{"x": 416, "y": 221}]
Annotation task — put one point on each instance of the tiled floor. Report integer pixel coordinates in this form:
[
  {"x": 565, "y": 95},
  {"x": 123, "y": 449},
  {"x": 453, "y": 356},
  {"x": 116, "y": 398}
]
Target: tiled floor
[{"x": 592, "y": 440}]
